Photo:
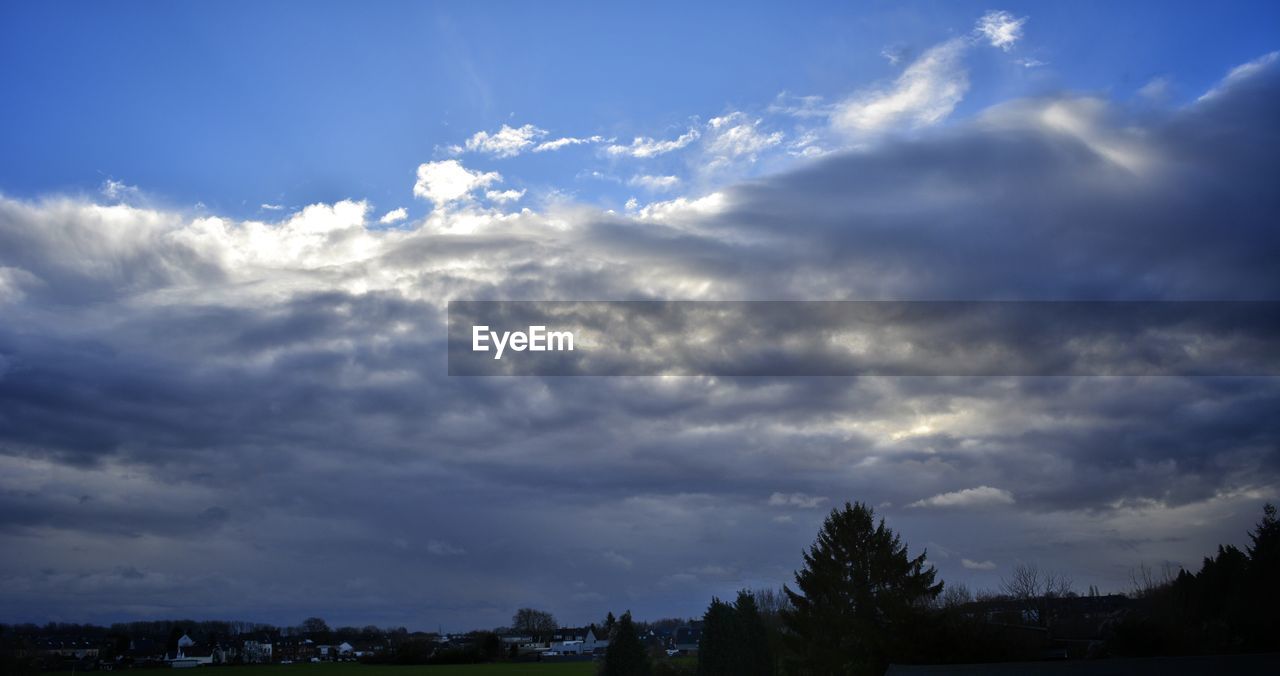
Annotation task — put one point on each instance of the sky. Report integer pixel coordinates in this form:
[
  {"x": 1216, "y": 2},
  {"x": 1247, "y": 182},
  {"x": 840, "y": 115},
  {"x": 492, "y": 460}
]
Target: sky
[{"x": 228, "y": 232}]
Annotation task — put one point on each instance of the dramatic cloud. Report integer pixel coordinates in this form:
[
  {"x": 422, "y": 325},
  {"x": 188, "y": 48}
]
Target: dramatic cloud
[
  {"x": 654, "y": 183},
  {"x": 1001, "y": 29},
  {"x": 643, "y": 146},
  {"x": 201, "y": 415},
  {"x": 801, "y": 500},
  {"x": 735, "y": 135},
  {"x": 448, "y": 181},
  {"x": 924, "y": 94},
  {"x": 970, "y": 497},
  {"x": 506, "y": 142},
  {"x": 931, "y": 86},
  {"x": 1242, "y": 73},
  {"x": 394, "y": 216},
  {"x": 503, "y": 196},
  {"x": 557, "y": 144}
]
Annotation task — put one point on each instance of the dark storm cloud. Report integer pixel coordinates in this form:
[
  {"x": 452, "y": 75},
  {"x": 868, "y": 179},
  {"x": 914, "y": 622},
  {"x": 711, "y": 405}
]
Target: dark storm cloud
[
  {"x": 259, "y": 416},
  {"x": 1048, "y": 199}
]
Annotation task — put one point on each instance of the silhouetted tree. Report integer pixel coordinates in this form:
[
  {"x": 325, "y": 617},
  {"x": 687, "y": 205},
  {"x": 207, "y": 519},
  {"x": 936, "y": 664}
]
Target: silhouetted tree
[
  {"x": 175, "y": 635},
  {"x": 534, "y": 622},
  {"x": 625, "y": 655},
  {"x": 315, "y": 629},
  {"x": 1263, "y": 623},
  {"x": 955, "y": 595},
  {"x": 1036, "y": 587},
  {"x": 857, "y": 596},
  {"x": 489, "y": 646},
  {"x": 721, "y": 647},
  {"x": 771, "y": 604},
  {"x": 1228, "y": 606},
  {"x": 755, "y": 637}
]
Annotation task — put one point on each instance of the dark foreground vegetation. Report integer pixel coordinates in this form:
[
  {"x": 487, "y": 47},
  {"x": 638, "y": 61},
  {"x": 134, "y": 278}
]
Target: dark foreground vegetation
[{"x": 860, "y": 603}]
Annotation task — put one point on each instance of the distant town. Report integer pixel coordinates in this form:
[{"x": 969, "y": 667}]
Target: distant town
[
  {"x": 182, "y": 644},
  {"x": 859, "y": 605}
]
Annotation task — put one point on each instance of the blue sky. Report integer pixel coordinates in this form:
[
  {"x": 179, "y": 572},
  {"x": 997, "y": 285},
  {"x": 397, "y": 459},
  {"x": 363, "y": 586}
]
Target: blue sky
[
  {"x": 222, "y": 349},
  {"x": 236, "y": 105}
]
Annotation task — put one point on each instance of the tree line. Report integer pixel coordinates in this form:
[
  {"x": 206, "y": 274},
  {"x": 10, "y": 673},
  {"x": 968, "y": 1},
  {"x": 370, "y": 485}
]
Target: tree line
[{"x": 861, "y": 602}]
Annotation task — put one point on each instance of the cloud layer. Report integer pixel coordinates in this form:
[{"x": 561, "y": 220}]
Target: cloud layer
[{"x": 248, "y": 418}]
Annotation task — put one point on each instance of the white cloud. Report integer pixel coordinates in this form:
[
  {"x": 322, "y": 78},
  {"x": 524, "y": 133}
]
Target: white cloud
[
  {"x": 924, "y": 94},
  {"x": 1242, "y": 72},
  {"x": 504, "y": 196},
  {"x": 736, "y": 135},
  {"x": 506, "y": 142},
  {"x": 272, "y": 207},
  {"x": 806, "y": 145},
  {"x": 978, "y": 565},
  {"x": 556, "y": 144},
  {"x": 317, "y": 236},
  {"x": 173, "y": 288},
  {"x": 11, "y": 282},
  {"x": 643, "y": 146},
  {"x": 893, "y": 55},
  {"x": 447, "y": 181},
  {"x": 394, "y": 216},
  {"x": 1000, "y": 28},
  {"x": 681, "y": 209},
  {"x": 119, "y": 191},
  {"x": 969, "y": 497},
  {"x": 654, "y": 183},
  {"x": 1085, "y": 120},
  {"x": 1158, "y": 89},
  {"x": 799, "y": 106},
  {"x": 801, "y": 500}
]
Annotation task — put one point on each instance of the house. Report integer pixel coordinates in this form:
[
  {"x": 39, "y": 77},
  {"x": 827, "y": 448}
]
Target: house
[
  {"x": 294, "y": 649},
  {"x": 145, "y": 650},
  {"x": 580, "y": 641},
  {"x": 687, "y": 637},
  {"x": 257, "y": 651},
  {"x": 190, "y": 655},
  {"x": 595, "y": 639},
  {"x": 68, "y": 648}
]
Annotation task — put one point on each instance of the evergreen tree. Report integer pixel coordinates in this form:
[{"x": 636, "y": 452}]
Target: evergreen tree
[
  {"x": 858, "y": 596},
  {"x": 1263, "y": 625},
  {"x": 721, "y": 647},
  {"x": 625, "y": 655},
  {"x": 1266, "y": 535},
  {"x": 755, "y": 637}
]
